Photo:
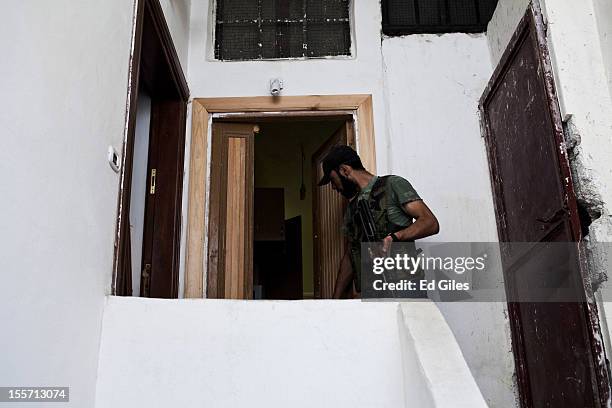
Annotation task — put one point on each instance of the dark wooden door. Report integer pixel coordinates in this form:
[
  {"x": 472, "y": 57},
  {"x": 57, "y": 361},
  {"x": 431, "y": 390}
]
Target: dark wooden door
[
  {"x": 162, "y": 223},
  {"x": 327, "y": 214},
  {"x": 534, "y": 200}
]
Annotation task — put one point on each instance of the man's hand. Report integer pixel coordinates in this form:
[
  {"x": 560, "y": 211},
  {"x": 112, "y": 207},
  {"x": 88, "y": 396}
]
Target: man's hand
[
  {"x": 387, "y": 243},
  {"x": 345, "y": 274}
]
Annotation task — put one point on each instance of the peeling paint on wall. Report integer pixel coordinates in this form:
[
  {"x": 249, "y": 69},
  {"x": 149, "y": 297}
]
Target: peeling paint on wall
[{"x": 595, "y": 221}]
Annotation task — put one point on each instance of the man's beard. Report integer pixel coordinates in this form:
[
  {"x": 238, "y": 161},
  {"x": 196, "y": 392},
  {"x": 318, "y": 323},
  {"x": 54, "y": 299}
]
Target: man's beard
[{"x": 349, "y": 189}]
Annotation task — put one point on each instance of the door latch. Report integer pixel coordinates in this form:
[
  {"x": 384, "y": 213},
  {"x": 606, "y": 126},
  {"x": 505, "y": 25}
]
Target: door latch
[{"x": 152, "y": 183}]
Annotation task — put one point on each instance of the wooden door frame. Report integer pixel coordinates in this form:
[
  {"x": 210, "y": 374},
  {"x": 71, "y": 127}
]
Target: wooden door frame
[
  {"x": 150, "y": 9},
  {"x": 534, "y": 19},
  {"x": 203, "y": 110}
]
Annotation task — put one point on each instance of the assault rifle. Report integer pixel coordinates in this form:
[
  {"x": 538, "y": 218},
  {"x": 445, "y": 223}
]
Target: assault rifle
[
  {"x": 368, "y": 226},
  {"x": 371, "y": 234}
]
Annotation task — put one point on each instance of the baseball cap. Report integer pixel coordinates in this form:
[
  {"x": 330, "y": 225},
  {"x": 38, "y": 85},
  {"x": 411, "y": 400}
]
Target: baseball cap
[{"x": 338, "y": 155}]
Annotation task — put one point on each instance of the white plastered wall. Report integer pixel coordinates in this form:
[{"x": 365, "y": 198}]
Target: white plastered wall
[
  {"x": 441, "y": 151},
  {"x": 176, "y": 13},
  {"x": 64, "y": 84},
  {"x": 603, "y": 14},
  {"x": 501, "y": 27},
  {"x": 336, "y": 354}
]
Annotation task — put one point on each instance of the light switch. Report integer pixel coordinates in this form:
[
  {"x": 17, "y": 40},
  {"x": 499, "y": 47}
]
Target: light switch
[{"x": 113, "y": 159}]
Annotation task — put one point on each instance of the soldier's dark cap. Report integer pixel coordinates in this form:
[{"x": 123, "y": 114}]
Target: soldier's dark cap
[{"x": 337, "y": 156}]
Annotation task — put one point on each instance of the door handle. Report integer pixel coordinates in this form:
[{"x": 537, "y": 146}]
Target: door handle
[{"x": 153, "y": 180}]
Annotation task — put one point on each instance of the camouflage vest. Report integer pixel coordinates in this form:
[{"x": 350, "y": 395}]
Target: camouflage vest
[{"x": 377, "y": 201}]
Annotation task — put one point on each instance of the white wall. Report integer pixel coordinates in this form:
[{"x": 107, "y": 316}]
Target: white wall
[
  {"x": 177, "y": 13},
  {"x": 139, "y": 185},
  {"x": 603, "y": 15},
  {"x": 249, "y": 353},
  {"x": 334, "y": 354},
  {"x": 501, "y": 27},
  {"x": 64, "y": 79},
  {"x": 433, "y": 84}
]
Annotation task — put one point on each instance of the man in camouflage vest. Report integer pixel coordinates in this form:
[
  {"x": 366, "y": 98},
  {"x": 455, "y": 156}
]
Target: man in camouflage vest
[{"x": 400, "y": 215}]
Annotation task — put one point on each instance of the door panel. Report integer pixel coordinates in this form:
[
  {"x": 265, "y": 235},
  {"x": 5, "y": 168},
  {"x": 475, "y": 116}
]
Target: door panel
[
  {"x": 161, "y": 235},
  {"x": 236, "y": 211},
  {"x": 328, "y": 213},
  {"x": 534, "y": 202},
  {"x": 230, "y": 259}
]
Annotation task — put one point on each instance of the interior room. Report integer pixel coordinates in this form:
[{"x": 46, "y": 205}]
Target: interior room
[{"x": 283, "y": 207}]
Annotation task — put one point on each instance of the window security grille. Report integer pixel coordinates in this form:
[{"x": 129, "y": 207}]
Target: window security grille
[
  {"x": 266, "y": 29},
  {"x": 436, "y": 16}
]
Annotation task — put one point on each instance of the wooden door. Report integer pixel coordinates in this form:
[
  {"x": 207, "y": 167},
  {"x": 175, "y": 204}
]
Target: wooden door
[
  {"x": 328, "y": 212},
  {"x": 230, "y": 247},
  {"x": 162, "y": 221},
  {"x": 553, "y": 342}
]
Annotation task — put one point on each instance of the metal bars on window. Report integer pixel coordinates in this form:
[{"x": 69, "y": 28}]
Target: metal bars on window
[
  {"x": 269, "y": 29},
  {"x": 436, "y": 16}
]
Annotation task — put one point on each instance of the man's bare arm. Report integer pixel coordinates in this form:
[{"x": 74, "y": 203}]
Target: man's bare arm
[
  {"x": 425, "y": 222},
  {"x": 345, "y": 275}
]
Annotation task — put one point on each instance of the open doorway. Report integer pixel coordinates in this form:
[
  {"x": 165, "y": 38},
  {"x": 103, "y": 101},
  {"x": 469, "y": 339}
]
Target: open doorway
[
  {"x": 267, "y": 216},
  {"x": 205, "y": 251}
]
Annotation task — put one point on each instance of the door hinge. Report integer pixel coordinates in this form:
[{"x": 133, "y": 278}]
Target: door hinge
[{"x": 152, "y": 183}]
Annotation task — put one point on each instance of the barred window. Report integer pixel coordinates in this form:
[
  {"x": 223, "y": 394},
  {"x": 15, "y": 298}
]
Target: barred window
[
  {"x": 436, "y": 16},
  {"x": 267, "y": 29}
]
